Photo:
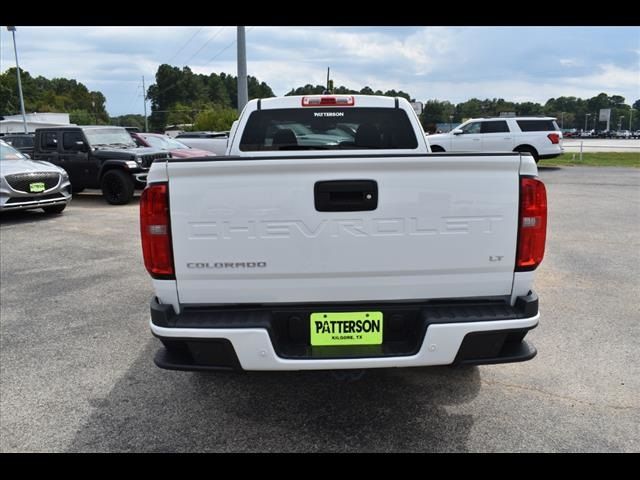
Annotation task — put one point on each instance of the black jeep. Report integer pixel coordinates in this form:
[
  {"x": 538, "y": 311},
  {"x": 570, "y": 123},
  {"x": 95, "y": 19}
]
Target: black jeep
[{"x": 102, "y": 157}]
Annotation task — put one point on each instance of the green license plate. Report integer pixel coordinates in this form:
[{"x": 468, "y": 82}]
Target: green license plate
[
  {"x": 36, "y": 187},
  {"x": 346, "y": 328}
]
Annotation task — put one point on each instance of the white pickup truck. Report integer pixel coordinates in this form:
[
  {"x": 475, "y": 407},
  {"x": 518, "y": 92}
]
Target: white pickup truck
[{"x": 330, "y": 237}]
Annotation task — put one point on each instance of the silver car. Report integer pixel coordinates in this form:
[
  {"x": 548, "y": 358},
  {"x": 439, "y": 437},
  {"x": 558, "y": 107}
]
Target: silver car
[{"x": 27, "y": 184}]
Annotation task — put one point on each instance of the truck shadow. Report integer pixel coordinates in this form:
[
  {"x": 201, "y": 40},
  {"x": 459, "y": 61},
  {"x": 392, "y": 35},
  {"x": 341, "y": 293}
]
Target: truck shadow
[{"x": 156, "y": 410}]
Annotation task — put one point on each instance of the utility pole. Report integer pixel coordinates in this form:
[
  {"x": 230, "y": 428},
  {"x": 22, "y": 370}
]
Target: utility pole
[
  {"x": 243, "y": 93},
  {"x": 15, "y": 50},
  {"x": 144, "y": 96},
  {"x": 328, "y": 69},
  {"x": 586, "y": 117}
]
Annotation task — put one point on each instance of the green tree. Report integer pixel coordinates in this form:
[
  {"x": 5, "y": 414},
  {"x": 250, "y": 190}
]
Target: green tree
[
  {"x": 198, "y": 92},
  {"x": 435, "y": 112},
  {"x": 529, "y": 108},
  {"x": 55, "y": 95},
  {"x": 180, "y": 113},
  {"x": 309, "y": 89},
  {"x": 216, "y": 119},
  {"x": 129, "y": 120}
]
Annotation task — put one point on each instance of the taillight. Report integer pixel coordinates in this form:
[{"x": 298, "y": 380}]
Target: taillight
[
  {"x": 554, "y": 137},
  {"x": 155, "y": 231},
  {"x": 340, "y": 100},
  {"x": 532, "y": 222}
]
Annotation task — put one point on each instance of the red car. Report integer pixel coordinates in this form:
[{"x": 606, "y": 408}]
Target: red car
[{"x": 164, "y": 142}]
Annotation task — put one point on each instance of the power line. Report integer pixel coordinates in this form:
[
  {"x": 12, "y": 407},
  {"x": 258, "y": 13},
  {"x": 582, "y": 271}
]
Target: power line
[
  {"x": 226, "y": 48},
  {"x": 205, "y": 44},
  {"x": 208, "y": 62},
  {"x": 182, "y": 48}
]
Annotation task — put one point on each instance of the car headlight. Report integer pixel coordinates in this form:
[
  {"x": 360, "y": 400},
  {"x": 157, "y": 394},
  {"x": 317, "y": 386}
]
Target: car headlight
[
  {"x": 64, "y": 174},
  {"x": 133, "y": 164}
]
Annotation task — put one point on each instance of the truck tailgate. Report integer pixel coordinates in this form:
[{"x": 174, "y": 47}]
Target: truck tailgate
[{"x": 248, "y": 231}]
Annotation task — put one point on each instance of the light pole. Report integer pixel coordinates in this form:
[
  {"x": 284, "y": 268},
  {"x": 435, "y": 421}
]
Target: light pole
[
  {"x": 562, "y": 121},
  {"x": 15, "y": 50},
  {"x": 586, "y": 117},
  {"x": 450, "y": 121},
  {"x": 620, "y": 123}
]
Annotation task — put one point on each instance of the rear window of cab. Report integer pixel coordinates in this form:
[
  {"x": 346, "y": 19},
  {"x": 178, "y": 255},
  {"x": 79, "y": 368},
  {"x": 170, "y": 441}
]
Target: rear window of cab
[{"x": 328, "y": 129}]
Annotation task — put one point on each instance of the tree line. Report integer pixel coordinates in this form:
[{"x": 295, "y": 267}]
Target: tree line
[
  {"x": 209, "y": 102},
  {"x": 60, "y": 95},
  {"x": 571, "y": 112},
  {"x": 309, "y": 89}
]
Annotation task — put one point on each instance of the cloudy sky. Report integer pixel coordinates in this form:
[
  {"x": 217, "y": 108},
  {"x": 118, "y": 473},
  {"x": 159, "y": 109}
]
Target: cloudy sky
[{"x": 447, "y": 63}]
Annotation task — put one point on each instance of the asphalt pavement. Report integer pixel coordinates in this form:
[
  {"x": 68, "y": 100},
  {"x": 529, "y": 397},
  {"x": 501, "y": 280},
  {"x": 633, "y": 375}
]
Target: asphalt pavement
[{"x": 76, "y": 370}]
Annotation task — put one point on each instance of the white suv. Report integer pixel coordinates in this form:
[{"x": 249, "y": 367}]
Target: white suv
[{"x": 539, "y": 136}]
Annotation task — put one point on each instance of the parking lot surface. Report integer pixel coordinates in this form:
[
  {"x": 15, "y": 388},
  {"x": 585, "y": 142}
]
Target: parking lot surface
[{"x": 76, "y": 370}]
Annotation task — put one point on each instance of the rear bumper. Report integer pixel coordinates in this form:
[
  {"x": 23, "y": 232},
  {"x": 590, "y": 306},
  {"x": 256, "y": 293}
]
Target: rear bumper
[{"x": 259, "y": 339}]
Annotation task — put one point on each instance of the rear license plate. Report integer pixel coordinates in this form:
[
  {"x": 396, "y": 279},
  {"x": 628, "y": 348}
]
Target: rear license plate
[{"x": 346, "y": 328}]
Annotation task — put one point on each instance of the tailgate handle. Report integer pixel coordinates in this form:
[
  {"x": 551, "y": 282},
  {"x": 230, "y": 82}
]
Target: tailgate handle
[{"x": 346, "y": 195}]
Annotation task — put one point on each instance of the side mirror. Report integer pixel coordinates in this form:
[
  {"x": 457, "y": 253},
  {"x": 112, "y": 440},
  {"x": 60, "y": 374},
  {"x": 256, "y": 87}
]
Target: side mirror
[{"x": 457, "y": 131}]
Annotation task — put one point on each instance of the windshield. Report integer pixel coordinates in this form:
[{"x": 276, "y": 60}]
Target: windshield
[
  {"x": 164, "y": 143},
  {"x": 328, "y": 129},
  {"x": 101, "y": 137},
  {"x": 10, "y": 153}
]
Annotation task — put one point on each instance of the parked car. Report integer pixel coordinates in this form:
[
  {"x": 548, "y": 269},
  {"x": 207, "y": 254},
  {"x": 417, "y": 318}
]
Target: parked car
[
  {"x": 623, "y": 134},
  {"x": 215, "y": 142},
  {"x": 104, "y": 157},
  {"x": 539, "y": 136},
  {"x": 21, "y": 141},
  {"x": 165, "y": 142},
  {"x": 203, "y": 135},
  {"x": 27, "y": 184}
]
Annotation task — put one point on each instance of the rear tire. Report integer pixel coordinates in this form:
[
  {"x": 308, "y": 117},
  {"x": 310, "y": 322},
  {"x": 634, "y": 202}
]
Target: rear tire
[
  {"x": 531, "y": 150},
  {"x": 54, "y": 208},
  {"x": 117, "y": 187},
  {"x": 436, "y": 149}
]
